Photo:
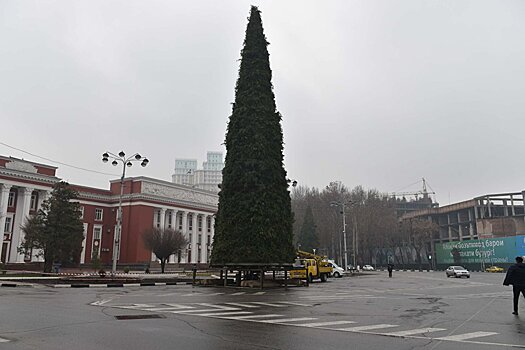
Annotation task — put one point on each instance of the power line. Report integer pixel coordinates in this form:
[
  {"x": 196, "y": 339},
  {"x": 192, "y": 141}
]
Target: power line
[{"x": 56, "y": 162}]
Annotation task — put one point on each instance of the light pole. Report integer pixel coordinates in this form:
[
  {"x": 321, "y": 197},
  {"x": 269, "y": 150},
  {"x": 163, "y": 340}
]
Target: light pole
[
  {"x": 342, "y": 205},
  {"x": 126, "y": 162}
]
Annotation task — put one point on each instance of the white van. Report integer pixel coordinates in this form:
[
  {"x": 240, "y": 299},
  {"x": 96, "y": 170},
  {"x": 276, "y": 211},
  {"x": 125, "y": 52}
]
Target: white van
[{"x": 338, "y": 271}]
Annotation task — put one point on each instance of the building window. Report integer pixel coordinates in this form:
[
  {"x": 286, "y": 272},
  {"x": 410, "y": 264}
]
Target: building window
[
  {"x": 98, "y": 214},
  {"x": 11, "y": 199},
  {"x": 200, "y": 238},
  {"x": 170, "y": 221},
  {"x": 157, "y": 224},
  {"x": 180, "y": 221},
  {"x": 189, "y": 241},
  {"x": 209, "y": 240},
  {"x": 97, "y": 232},
  {"x": 199, "y": 223},
  {"x": 190, "y": 222},
  {"x": 8, "y": 224},
  {"x": 208, "y": 222},
  {"x": 81, "y": 209},
  {"x": 34, "y": 200}
]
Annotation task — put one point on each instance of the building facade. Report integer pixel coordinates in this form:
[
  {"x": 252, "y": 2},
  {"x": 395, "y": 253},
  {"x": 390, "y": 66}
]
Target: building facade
[
  {"x": 208, "y": 178},
  {"x": 492, "y": 217},
  {"x": 146, "y": 203}
]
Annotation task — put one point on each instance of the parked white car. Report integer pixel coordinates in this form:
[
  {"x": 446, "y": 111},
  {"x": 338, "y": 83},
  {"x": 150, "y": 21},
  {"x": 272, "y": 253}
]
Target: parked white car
[
  {"x": 368, "y": 268},
  {"x": 338, "y": 271},
  {"x": 457, "y": 271}
]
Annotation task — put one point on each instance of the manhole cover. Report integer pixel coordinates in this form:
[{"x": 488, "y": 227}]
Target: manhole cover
[{"x": 138, "y": 317}]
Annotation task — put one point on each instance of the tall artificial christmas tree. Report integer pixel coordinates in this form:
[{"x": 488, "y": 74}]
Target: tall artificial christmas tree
[{"x": 254, "y": 219}]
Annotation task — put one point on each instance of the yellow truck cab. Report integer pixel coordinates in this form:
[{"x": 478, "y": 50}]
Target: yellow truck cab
[{"x": 316, "y": 268}]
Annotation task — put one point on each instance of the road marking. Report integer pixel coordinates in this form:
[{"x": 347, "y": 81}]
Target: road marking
[
  {"x": 225, "y": 313},
  {"x": 101, "y": 302},
  {"x": 167, "y": 294},
  {"x": 467, "y": 336},
  {"x": 191, "y": 294},
  {"x": 161, "y": 309},
  {"x": 282, "y": 320},
  {"x": 292, "y": 303},
  {"x": 366, "y": 328},
  {"x": 211, "y": 294},
  {"x": 239, "y": 293},
  {"x": 415, "y": 331},
  {"x": 268, "y": 304},
  {"x": 254, "y": 316},
  {"x": 134, "y": 306},
  {"x": 243, "y": 305},
  {"x": 179, "y": 306},
  {"x": 2, "y": 340},
  {"x": 259, "y": 293},
  {"x": 216, "y": 306},
  {"x": 202, "y": 310},
  {"x": 323, "y": 324}
]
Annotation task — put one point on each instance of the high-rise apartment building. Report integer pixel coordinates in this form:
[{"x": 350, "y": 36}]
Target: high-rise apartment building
[{"x": 208, "y": 178}]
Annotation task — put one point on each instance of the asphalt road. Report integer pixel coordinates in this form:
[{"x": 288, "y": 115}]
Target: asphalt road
[{"x": 412, "y": 310}]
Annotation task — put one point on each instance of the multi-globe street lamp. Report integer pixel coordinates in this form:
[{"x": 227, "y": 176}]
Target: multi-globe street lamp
[{"x": 126, "y": 162}]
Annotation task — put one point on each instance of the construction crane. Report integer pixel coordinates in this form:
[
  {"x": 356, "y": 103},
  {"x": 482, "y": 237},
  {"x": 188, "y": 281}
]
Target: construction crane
[{"x": 424, "y": 192}]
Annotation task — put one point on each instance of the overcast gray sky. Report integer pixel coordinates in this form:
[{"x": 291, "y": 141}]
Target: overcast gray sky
[{"x": 373, "y": 93}]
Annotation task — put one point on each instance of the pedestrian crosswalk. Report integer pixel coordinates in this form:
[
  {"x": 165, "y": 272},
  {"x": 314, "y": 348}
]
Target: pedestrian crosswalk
[{"x": 261, "y": 312}]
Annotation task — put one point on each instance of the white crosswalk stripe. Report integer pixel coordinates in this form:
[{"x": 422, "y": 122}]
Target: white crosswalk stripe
[
  {"x": 415, "y": 331},
  {"x": 2, "y": 340},
  {"x": 466, "y": 336},
  {"x": 285, "y": 320},
  {"x": 259, "y": 293},
  {"x": 243, "y": 305},
  {"x": 295, "y": 304},
  {"x": 184, "y": 311},
  {"x": 239, "y": 293},
  {"x": 324, "y": 324},
  {"x": 253, "y": 317},
  {"x": 268, "y": 304},
  {"x": 367, "y": 328},
  {"x": 225, "y": 313},
  {"x": 180, "y": 306}
]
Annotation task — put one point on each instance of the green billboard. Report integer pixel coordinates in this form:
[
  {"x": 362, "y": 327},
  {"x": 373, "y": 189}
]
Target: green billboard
[{"x": 487, "y": 251}]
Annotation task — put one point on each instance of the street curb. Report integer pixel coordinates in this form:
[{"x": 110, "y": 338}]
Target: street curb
[{"x": 114, "y": 285}]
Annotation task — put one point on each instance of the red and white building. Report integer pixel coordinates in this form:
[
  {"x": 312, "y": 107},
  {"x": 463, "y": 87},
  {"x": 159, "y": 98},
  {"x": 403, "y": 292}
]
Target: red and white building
[{"x": 146, "y": 203}]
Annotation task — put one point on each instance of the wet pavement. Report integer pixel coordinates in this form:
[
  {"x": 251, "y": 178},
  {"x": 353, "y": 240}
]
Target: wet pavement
[{"x": 412, "y": 310}]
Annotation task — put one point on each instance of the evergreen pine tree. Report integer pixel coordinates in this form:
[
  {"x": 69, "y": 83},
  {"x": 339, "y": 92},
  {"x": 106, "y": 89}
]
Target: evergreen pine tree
[
  {"x": 57, "y": 230},
  {"x": 308, "y": 236},
  {"x": 254, "y": 218}
]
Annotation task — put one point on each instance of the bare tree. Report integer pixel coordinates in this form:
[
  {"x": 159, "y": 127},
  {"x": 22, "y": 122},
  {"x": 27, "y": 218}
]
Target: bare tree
[{"x": 163, "y": 243}]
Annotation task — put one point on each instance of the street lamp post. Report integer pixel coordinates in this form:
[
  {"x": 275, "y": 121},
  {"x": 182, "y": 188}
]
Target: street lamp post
[
  {"x": 345, "y": 252},
  {"x": 126, "y": 162}
]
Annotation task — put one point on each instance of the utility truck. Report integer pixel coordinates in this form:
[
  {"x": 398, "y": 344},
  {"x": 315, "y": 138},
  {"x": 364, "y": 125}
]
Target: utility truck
[{"x": 310, "y": 266}]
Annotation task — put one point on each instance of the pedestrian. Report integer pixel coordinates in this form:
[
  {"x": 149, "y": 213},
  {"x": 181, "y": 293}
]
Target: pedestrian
[
  {"x": 390, "y": 269},
  {"x": 516, "y": 277}
]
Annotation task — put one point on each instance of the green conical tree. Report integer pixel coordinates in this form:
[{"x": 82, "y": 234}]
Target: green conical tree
[
  {"x": 254, "y": 219},
  {"x": 308, "y": 236}
]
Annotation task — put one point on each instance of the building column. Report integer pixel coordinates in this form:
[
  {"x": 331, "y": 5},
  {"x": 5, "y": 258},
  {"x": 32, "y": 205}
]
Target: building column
[
  {"x": 42, "y": 196},
  {"x": 4, "y": 197},
  {"x": 38, "y": 255},
  {"x": 212, "y": 233},
  {"x": 186, "y": 235},
  {"x": 195, "y": 233},
  {"x": 172, "y": 216},
  {"x": 162, "y": 218},
  {"x": 22, "y": 212},
  {"x": 204, "y": 242}
]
